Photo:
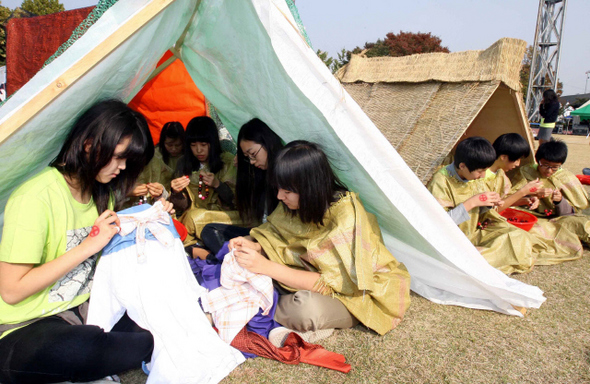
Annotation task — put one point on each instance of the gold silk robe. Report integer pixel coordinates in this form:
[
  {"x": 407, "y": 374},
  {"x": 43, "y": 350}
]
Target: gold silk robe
[
  {"x": 571, "y": 189},
  {"x": 504, "y": 246},
  {"x": 210, "y": 209},
  {"x": 157, "y": 171},
  {"x": 349, "y": 254},
  {"x": 553, "y": 243}
]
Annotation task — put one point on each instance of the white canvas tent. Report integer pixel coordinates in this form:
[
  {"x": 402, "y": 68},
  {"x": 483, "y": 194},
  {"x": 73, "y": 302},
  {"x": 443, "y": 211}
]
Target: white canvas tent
[{"x": 249, "y": 59}]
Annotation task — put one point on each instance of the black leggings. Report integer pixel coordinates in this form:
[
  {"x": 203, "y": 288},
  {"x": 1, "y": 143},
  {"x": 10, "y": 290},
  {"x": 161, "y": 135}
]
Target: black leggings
[
  {"x": 51, "y": 351},
  {"x": 215, "y": 235}
]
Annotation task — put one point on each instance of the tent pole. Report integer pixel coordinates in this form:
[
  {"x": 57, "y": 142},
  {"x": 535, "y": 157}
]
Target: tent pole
[
  {"x": 176, "y": 49},
  {"x": 20, "y": 117}
]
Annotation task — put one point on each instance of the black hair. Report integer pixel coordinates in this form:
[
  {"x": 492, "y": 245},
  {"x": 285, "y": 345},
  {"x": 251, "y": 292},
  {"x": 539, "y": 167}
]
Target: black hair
[
  {"x": 549, "y": 96},
  {"x": 554, "y": 151},
  {"x": 170, "y": 130},
  {"x": 302, "y": 167},
  {"x": 201, "y": 129},
  {"x": 476, "y": 153},
  {"x": 102, "y": 127},
  {"x": 512, "y": 145},
  {"x": 254, "y": 195}
]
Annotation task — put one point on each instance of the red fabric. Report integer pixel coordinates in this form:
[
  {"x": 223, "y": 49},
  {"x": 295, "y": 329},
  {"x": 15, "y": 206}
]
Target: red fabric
[
  {"x": 584, "y": 179},
  {"x": 294, "y": 351},
  {"x": 31, "y": 41},
  {"x": 170, "y": 96},
  {"x": 181, "y": 229}
]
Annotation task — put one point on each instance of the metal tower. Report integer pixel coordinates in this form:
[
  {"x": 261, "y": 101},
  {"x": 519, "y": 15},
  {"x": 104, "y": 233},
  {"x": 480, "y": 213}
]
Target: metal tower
[{"x": 546, "y": 49}]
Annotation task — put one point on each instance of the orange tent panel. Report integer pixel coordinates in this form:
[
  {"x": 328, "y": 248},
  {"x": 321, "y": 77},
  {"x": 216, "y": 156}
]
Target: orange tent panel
[{"x": 170, "y": 96}]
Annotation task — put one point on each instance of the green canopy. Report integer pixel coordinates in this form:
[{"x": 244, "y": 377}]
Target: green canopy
[{"x": 583, "y": 112}]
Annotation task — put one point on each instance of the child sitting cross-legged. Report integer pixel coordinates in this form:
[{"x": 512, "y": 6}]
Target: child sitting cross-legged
[
  {"x": 555, "y": 243},
  {"x": 468, "y": 191},
  {"x": 562, "y": 196}
]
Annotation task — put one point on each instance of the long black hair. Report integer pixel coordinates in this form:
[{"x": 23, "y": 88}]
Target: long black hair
[
  {"x": 254, "y": 195},
  {"x": 550, "y": 97},
  {"x": 170, "y": 130},
  {"x": 102, "y": 127},
  {"x": 201, "y": 129},
  {"x": 302, "y": 167}
]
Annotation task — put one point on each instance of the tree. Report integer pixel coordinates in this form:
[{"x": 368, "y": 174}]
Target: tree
[
  {"x": 4, "y": 15},
  {"x": 401, "y": 44},
  {"x": 409, "y": 43},
  {"x": 333, "y": 64},
  {"x": 42, "y": 7}
]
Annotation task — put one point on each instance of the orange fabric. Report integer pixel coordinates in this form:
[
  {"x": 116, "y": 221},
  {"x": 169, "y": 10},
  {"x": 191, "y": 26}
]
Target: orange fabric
[
  {"x": 294, "y": 351},
  {"x": 170, "y": 96}
]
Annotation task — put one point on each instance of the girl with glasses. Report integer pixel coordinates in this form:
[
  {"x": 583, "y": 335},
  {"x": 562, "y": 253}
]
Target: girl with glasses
[{"x": 255, "y": 197}]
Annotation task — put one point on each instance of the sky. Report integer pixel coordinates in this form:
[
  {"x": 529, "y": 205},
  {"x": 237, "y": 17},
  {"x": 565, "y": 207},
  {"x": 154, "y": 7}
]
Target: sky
[{"x": 461, "y": 24}]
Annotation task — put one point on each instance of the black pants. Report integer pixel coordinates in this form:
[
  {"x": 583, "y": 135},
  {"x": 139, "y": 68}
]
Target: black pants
[
  {"x": 215, "y": 235},
  {"x": 51, "y": 351}
]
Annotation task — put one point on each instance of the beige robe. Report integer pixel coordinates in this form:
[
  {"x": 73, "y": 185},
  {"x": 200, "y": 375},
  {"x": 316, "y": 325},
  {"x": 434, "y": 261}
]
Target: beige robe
[
  {"x": 504, "y": 246},
  {"x": 348, "y": 253}
]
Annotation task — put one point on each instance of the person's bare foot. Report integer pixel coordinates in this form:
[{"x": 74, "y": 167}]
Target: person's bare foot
[{"x": 200, "y": 253}]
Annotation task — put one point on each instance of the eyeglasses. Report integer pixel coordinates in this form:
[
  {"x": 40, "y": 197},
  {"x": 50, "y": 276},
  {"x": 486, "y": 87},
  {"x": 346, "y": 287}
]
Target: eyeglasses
[
  {"x": 554, "y": 169},
  {"x": 250, "y": 158}
]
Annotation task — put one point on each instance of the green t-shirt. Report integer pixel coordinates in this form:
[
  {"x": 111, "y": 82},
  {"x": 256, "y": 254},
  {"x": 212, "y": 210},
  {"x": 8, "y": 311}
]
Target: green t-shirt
[{"x": 42, "y": 221}]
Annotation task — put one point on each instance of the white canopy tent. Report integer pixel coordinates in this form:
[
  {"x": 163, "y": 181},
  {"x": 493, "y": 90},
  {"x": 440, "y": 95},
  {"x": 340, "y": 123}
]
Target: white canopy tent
[{"x": 250, "y": 60}]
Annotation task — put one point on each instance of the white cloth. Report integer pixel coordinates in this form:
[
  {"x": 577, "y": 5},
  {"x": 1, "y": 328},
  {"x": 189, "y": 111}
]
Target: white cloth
[
  {"x": 241, "y": 295},
  {"x": 160, "y": 294}
]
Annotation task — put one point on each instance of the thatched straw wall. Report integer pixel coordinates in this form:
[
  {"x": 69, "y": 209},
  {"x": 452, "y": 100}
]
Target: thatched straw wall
[
  {"x": 501, "y": 62},
  {"x": 423, "y": 116}
]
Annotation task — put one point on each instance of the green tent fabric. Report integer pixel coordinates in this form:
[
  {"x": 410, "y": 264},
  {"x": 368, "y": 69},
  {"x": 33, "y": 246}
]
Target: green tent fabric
[
  {"x": 250, "y": 59},
  {"x": 583, "y": 112}
]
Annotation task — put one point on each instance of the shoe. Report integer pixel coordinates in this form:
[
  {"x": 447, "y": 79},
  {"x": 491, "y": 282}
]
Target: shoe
[
  {"x": 586, "y": 171},
  {"x": 278, "y": 335}
]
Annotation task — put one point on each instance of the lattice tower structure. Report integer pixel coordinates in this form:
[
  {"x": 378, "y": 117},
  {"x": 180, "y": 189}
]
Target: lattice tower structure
[{"x": 546, "y": 51}]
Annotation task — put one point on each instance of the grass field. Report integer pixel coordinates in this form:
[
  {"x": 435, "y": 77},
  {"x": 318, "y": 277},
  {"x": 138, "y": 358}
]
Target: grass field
[{"x": 445, "y": 344}]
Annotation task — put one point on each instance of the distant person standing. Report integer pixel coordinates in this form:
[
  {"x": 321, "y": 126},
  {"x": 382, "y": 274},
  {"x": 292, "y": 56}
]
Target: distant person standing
[{"x": 548, "y": 110}]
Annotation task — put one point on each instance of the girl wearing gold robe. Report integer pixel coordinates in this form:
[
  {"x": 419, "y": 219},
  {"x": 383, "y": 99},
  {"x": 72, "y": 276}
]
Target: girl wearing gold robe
[
  {"x": 204, "y": 188},
  {"x": 156, "y": 177},
  {"x": 324, "y": 250}
]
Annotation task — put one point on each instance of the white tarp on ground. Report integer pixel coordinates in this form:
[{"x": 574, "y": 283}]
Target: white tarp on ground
[{"x": 249, "y": 60}]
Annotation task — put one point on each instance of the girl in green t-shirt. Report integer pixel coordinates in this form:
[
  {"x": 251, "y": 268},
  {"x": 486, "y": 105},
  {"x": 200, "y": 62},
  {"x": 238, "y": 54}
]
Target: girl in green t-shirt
[{"x": 55, "y": 225}]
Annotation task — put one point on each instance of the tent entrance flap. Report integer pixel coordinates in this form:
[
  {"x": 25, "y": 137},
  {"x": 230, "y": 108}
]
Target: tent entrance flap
[{"x": 281, "y": 81}]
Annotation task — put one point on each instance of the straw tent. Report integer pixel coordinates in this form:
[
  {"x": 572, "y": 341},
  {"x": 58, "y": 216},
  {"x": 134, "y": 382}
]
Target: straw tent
[
  {"x": 250, "y": 59},
  {"x": 425, "y": 104}
]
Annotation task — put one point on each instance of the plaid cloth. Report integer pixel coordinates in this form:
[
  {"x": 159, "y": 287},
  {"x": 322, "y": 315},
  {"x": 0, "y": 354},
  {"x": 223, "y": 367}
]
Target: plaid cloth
[{"x": 238, "y": 299}]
